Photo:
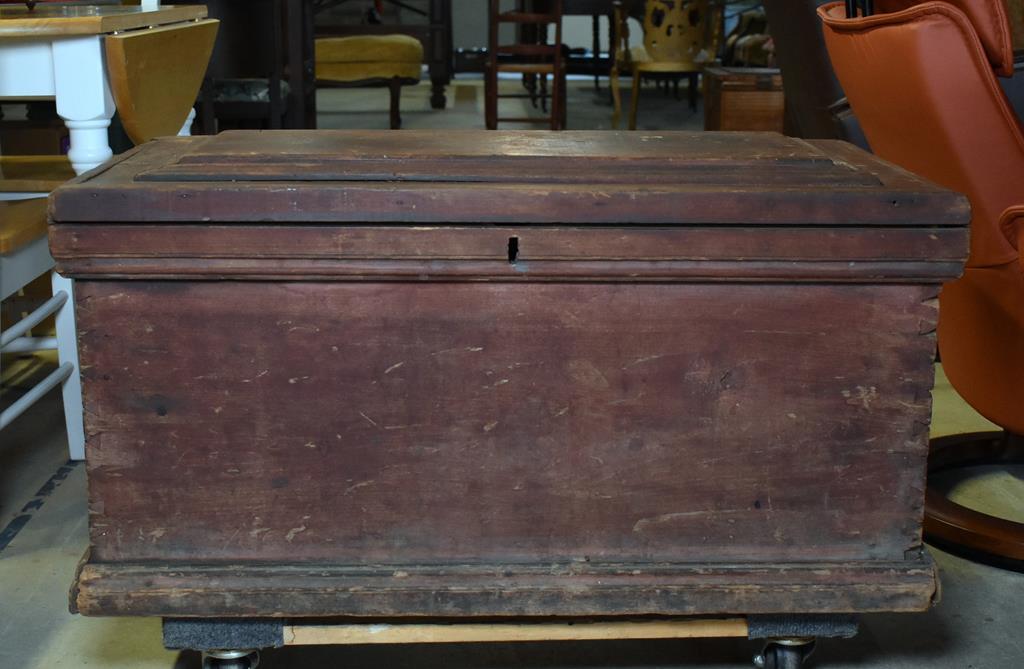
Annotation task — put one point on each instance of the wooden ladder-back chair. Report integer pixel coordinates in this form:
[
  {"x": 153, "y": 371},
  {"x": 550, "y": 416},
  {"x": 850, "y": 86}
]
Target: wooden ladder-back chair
[{"x": 538, "y": 59}]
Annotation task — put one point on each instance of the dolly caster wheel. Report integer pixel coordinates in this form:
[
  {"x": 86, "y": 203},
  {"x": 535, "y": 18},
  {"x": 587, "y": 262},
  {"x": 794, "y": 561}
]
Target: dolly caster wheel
[
  {"x": 784, "y": 654},
  {"x": 231, "y": 659}
]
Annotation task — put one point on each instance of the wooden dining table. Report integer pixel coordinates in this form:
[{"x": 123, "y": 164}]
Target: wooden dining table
[{"x": 57, "y": 51}]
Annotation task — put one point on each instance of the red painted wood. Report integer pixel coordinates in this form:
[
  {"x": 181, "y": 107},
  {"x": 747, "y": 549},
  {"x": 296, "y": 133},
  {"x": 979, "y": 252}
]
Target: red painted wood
[{"x": 626, "y": 373}]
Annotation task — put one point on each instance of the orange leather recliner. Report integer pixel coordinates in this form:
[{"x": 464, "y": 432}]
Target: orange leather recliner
[{"x": 921, "y": 78}]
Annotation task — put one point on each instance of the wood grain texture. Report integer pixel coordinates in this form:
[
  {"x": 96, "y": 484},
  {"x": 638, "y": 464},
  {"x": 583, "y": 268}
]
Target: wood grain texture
[
  {"x": 473, "y": 591},
  {"x": 417, "y": 397},
  {"x": 314, "y": 635},
  {"x": 154, "y": 93},
  {"x": 336, "y": 176},
  {"x": 33, "y": 174},
  {"x": 21, "y": 222},
  {"x": 549, "y": 379},
  {"x": 743, "y": 99},
  {"x": 64, "y": 21},
  {"x": 543, "y": 253}
]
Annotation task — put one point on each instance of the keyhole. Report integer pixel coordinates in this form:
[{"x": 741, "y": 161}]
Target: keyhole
[{"x": 513, "y": 249}]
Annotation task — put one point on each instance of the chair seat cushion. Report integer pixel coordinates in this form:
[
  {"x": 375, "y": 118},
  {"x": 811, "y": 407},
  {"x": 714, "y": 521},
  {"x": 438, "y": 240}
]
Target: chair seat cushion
[
  {"x": 33, "y": 174},
  {"x": 21, "y": 222},
  {"x": 363, "y": 57},
  {"x": 643, "y": 62}
]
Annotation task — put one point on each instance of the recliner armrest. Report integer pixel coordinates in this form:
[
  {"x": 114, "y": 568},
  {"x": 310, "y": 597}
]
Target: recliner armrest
[
  {"x": 1012, "y": 224},
  {"x": 847, "y": 126}
]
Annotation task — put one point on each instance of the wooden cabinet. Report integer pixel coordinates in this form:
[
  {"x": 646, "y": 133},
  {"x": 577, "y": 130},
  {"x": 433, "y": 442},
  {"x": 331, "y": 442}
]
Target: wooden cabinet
[
  {"x": 743, "y": 98},
  {"x": 483, "y": 374}
]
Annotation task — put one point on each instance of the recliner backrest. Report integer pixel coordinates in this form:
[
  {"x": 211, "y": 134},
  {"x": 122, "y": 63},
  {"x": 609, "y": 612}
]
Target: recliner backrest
[{"x": 922, "y": 84}]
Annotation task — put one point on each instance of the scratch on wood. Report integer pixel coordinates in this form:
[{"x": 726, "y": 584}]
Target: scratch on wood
[
  {"x": 644, "y": 523},
  {"x": 362, "y": 484},
  {"x": 640, "y": 361}
]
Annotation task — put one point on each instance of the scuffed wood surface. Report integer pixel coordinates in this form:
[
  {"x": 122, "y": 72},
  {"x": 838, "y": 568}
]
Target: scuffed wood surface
[
  {"x": 584, "y": 178},
  {"x": 505, "y": 374},
  {"x": 438, "y": 423},
  {"x": 725, "y": 253},
  {"x": 461, "y": 591}
]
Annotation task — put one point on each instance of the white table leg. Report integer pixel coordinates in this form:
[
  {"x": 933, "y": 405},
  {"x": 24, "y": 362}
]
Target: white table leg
[
  {"x": 186, "y": 130},
  {"x": 83, "y": 99},
  {"x": 67, "y": 352}
]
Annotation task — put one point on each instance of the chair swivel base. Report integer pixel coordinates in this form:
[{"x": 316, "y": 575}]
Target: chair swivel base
[{"x": 954, "y": 526}]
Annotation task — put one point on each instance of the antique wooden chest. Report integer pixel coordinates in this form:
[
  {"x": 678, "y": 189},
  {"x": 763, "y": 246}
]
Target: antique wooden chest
[
  {"x": 743, "y": 98},
  {"x": 474, "y": 375}
]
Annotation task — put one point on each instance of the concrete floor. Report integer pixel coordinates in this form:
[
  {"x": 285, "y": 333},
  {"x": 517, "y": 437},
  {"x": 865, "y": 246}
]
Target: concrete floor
[
  {"x": 976, "y": 626},
  {"x": 587, "y": 109}
]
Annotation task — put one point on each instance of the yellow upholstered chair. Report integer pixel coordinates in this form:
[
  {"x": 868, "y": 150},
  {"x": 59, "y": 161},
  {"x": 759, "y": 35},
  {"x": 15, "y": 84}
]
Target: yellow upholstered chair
[
  {"x": 680, "y": 37},
  {"x": 370, "y": 60}
]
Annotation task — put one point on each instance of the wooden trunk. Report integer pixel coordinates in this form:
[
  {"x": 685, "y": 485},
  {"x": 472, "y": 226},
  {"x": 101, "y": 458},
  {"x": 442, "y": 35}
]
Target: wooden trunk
[
  {"x": 743, "y": 98},
  {"x": 489, "y": 374}
]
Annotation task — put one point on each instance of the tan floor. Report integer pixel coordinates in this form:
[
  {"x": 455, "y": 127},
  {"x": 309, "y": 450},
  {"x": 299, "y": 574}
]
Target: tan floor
[{"x": 588, "y": 109}]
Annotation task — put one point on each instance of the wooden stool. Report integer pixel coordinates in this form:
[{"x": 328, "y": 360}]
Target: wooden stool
[
  {"x": 534, "y": 59},
  {"x": 367, "y": 61},
  {"x": 24, "y": 255}
]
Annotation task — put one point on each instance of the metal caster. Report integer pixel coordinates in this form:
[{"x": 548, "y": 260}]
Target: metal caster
[
  {"x": 784, "y": 654},
  {"x": 231, "y": 659}
]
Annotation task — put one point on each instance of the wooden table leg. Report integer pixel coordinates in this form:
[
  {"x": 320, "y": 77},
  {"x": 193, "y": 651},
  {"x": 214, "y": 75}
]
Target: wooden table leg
[{"x": 83, "y": 99}]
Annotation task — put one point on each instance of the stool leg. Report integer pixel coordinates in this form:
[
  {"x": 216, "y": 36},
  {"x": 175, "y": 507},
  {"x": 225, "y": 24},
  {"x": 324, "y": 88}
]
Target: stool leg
[
  {"x": 634, "y": 103},
  {"x": 555, "y": 106},
  {"x": 491, "y": 99},
  {"x": 438, "y": 100},
  {"x": 613, "y": 84},
  {"x": 564, "y": 112},
  {"x": 396, "y": 100},
  {"x": 67, "y": 351}
]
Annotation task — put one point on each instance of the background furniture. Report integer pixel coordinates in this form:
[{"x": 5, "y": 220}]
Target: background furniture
[
  {"x": 743, "y": 98},
  {"x": 534, "y": 58},
  {"x": 922, "y": 81},
  {"x": 24, "y": 256},
  {"x": 24, "y": 177},
  {"x": 261, "y": 73},
  {"x": 370, "y": 60},
  {"x": 435, "y": 35},
  {"x": 92, "y": 62},
  {"x": 678, "y": 40},
  {"x": 815, "y": 102},
  {"x": 57, "y": 52},
  {"x": 154, "y": 93}
]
